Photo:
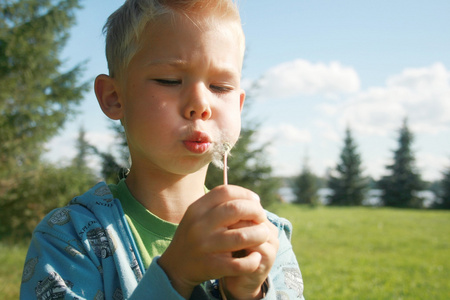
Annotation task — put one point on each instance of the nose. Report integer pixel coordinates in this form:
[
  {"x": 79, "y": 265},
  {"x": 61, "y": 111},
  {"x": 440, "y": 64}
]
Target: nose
[{"x": 197, "y": 103}]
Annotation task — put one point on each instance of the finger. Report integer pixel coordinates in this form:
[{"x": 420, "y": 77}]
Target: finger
[
  {"x": 270, "y": 247},
  {"x": 244, "y": 252},
  {"x": 230, "y": 240},
  {"x": 223, "y": 264},
  {"x": 271, "y": 226},
  {"x": 223, "y": 194},
  {"x": 241, "y": 224},
  {"x": 243, "y": 265},
  {"x": 232, "y": 212},
  {"x": 267, "y": 250}
]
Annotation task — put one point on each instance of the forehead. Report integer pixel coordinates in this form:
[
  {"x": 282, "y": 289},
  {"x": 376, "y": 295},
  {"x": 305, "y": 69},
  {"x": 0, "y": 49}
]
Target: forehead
[{"x": 177, "y": 36}]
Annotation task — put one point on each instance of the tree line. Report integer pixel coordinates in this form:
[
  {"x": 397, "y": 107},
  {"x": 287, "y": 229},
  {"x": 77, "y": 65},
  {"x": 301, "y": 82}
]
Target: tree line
[{"x": 349, "y": 187}]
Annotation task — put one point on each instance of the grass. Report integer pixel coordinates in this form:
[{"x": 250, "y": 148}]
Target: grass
[
  {"x": 368, "y": 253},
  {"x": 344, "y": 253},
  {"x": 12, "y": 258}
]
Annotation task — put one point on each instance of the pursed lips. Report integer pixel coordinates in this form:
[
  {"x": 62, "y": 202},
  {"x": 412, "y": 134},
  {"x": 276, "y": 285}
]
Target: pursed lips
[{"x": 198, "y": 142}]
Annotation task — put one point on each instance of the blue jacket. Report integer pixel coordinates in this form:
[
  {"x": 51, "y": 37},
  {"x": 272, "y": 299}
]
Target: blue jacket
[{"x": 86, "y": 251}]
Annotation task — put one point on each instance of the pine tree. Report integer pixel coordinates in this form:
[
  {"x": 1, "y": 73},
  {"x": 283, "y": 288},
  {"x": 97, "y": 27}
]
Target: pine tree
[
  {"x": 83, "y": 148},
  {"x": 400, "y": 187},
  {"x": 305, "y": 186},
  {"x": 444, "y": 196},
  {"x": 349, "y": 186},
  {"x": 36, "y": 97},
  {"x": 115, "y": 167}
]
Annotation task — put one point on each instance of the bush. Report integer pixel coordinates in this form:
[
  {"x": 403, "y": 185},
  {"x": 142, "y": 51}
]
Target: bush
[{"x": 36, "y": 193}]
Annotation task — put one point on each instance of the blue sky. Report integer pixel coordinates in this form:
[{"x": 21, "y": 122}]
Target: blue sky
[{"x": 321, "y": 66}]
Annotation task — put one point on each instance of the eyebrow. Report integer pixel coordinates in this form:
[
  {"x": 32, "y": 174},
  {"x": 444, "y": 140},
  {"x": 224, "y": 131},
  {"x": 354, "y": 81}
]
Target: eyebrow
[
  {"x": 182, "y": 64},
  {"x": 171, "y": 62}
]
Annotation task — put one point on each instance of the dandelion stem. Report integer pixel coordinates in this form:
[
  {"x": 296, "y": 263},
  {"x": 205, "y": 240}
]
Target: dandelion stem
[{"x": 225, "y": 168}]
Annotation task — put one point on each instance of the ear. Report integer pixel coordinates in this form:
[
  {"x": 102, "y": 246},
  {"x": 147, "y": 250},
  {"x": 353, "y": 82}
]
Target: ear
[
  {"x": 108, "y": 96},
  {"x": 242, "y": 99}
]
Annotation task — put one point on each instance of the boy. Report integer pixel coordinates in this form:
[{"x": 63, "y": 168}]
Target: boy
[{"x": 174, "y": 84}]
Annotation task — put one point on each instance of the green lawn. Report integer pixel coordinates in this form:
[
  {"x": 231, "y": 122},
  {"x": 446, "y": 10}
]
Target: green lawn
[
  {"x": 11, "y": 263},
  {"x": 344, "y": 253},
  {"x": 371, "y": 253}
]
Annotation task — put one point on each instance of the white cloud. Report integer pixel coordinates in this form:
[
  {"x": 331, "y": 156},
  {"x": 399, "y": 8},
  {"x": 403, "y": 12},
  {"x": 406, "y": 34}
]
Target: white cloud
[
  {"x": 247, "y": 84},
  {"x": 421, "y": 94},
  {"x": 328, "y": 131},
  {"x": 376, "y": 166},
  {"x": 285, "y": 140},
  {"x": 101, "y": 140},
  {"x": 285, "y": 132},
  {"x": 435, "y": 76},
  {"x": 62, "y": 148},
  {"x": 431, "y": 166},
  {"x": 300, "y": 77},
  {"x": 375, "y": 111}
]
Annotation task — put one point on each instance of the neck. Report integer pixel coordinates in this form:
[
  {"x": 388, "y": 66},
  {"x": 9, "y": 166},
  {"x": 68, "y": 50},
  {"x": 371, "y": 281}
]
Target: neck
[{"x": 166, "y": 195}]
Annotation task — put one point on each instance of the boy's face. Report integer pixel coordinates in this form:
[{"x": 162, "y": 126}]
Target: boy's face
[{"x": 180, "y": 94}]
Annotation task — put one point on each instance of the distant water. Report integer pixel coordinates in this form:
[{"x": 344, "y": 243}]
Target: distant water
[{"x": 373, "y": 196}]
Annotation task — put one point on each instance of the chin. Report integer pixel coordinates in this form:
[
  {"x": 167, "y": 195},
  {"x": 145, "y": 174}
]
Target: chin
[{"x": 191, "y": 169}]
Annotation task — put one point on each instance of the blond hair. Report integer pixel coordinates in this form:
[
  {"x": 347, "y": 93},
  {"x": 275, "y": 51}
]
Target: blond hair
[{"x": 124, "y": 27}]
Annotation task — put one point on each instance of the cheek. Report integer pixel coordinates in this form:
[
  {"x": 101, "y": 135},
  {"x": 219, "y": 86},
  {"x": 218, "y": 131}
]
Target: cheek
[
  {"x": 236, "y": 127},
  {"x": 230, "y": 125},
  {"x": 149, "y": 118}
]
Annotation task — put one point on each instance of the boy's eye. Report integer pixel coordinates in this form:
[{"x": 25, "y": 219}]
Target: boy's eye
[
  {"x": 220, "y": 89},
  {"x": 168, "y": 81}
]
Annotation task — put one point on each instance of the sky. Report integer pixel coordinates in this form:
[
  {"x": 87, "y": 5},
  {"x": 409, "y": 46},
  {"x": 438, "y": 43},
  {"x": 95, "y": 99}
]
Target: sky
[{"x": 321, "y": 66}]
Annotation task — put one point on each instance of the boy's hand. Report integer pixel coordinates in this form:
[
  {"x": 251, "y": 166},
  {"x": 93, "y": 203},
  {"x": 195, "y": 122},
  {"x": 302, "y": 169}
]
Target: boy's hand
[
  {"x": 248, "y": 286},
  {"x": 202, "y": 245}
]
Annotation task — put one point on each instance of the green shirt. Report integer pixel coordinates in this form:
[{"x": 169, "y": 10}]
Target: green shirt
[{"x": 151, "y": 233}]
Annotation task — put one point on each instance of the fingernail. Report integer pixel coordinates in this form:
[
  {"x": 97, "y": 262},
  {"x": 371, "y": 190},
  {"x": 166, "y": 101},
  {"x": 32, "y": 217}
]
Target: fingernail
[{"x": 256, "y": 197}]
